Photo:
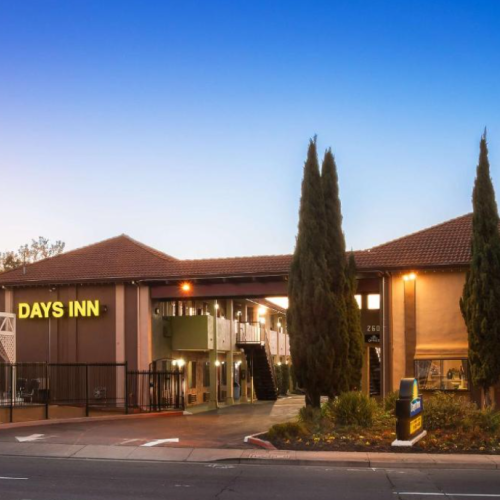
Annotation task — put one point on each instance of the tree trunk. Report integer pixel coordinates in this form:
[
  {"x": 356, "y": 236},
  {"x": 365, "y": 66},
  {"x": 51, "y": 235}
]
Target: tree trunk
[
  {"x": 487, "y": 401},
  {"x": 313, "y": 399}
]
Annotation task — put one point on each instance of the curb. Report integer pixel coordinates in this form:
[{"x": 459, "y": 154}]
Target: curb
[
  {"x": 78, "y": 420},
  {"x": 261, "y": 443}
]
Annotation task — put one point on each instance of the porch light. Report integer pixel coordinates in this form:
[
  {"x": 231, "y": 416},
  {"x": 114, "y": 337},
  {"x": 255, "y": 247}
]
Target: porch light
[
  {"x": 217, "y": 363},
  {"x": 262, "y": 321},
  {"x": 178, "y": 362},
  {"x": 262, "y": 310},
  {"x": 186, "y": 287},
  {"x": 279, "y": 363},
  {"x": 410, "y": 277},
  {"x": 238, "y": 363}
]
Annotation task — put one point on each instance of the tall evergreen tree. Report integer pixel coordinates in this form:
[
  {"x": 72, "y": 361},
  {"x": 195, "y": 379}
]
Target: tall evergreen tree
[
  {"x": 309, "y": 291},
  {"x": 345, "y": 331},
  {"x": 338, "y": 334},
  {"x": 480, "y": 303},
  {"x": 356, "y": 339}
]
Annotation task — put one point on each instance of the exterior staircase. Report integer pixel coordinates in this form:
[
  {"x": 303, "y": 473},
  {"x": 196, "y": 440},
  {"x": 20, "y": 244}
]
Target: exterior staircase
[{"x": 255, "y": 343}]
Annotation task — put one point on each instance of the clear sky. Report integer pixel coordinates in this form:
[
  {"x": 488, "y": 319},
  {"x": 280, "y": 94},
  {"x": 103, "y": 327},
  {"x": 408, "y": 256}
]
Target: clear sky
[{"x": 185, "y": 123}]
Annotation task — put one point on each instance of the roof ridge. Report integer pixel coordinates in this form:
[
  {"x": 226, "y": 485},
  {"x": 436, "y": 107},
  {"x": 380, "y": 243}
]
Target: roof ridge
[
  {"x": 237, "y": 257},
  {"x": 420, "y": 231},
  {"x": 151, "y": 250}
]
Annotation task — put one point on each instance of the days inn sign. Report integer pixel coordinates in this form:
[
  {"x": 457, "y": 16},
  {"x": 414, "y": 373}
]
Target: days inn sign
[{"x": 57, "y": 309}]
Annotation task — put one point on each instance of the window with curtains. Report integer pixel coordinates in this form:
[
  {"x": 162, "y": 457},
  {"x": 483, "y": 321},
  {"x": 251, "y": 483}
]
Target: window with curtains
[{"x": 442, "y": 374}]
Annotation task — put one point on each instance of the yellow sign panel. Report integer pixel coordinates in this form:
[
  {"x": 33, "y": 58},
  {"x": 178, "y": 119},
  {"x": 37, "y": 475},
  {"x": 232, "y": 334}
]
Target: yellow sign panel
[
  {"x": 415, "y": 424},
  {"x": 74, "y": 309}
]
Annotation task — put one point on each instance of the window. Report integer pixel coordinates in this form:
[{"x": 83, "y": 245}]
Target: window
[
  {"x": 206, "y": 374},
  {"x": 374, "y": 301},
  {"x": 358, "y": 300},
  {"x": 192, "y": 375},
  {"x": 442, "y": 374}
]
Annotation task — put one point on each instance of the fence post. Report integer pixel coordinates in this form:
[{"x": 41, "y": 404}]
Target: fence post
[
  {"x": 47, "y": 389},
  {"x": 12, "y": 388},
  {"x": 126, "y": 388},
  {"x": 86, "y": 390}
]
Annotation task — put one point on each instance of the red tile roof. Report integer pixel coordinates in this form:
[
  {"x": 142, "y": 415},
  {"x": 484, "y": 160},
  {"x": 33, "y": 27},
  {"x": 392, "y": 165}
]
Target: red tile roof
[
  {"x": 119, "y": 258},
  {"x": 122, "y": 259},
  {"x": 443, "y": 245}
]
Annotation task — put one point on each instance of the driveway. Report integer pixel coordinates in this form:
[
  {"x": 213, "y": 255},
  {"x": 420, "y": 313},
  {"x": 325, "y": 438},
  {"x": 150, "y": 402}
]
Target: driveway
[{"x": 223, "y": 428}]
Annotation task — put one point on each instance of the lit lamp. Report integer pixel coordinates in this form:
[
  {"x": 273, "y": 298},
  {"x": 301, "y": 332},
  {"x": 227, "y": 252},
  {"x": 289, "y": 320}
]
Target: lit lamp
[
  {"x": 186, "y": 287},
  {"x": 217, "y": 363},
  {"x": 410, "y": 277},
  {"x": 178, "y": 362}
]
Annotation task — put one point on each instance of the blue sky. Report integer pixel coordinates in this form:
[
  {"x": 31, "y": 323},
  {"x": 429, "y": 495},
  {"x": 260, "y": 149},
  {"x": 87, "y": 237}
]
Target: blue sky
[{"x": 185, "y": 124}]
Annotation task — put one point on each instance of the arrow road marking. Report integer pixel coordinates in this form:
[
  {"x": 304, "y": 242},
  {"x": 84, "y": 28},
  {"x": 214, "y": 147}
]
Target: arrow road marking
[
  {"x": 33, "y": 437},
  {"x": 161, "y": 441}
]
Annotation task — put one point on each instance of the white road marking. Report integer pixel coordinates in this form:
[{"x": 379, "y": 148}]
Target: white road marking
[
  {"x": 161, "y": 441},
  {"x": 33, "y": 437},
  {"x": 129, "y": 441},
  {"x": 475, "y": 495},
  {"x": 14, "y": 478}
]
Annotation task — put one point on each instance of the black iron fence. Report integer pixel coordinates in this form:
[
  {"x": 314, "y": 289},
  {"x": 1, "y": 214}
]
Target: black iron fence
[{"x": 105, "y": 387}]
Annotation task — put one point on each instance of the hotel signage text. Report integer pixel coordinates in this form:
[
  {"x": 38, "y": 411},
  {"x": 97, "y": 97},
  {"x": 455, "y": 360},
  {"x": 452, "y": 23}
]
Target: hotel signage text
[{"x": 57, "y": 309}]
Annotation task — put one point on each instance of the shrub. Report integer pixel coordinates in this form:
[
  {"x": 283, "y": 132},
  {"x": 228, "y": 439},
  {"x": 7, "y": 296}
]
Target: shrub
[
  {"x": 354, "y": 408},
  {"x": 282, "y": 378},
  {"x": 486, "y": 420},
  {"x": 389, "y": 404},
  {"x": 446, "y": 411},
  {"x": 287, "y": 430}
]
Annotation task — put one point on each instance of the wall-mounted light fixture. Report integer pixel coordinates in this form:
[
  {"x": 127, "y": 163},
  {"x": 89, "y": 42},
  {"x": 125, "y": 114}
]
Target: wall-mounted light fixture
[
  {"x": 186, "y": 287},
  {"x": 157, "y": 311},
  {"x": 217, "y": 363},
  {"x": 410, "y": 277},
  {"x": 178, "y": 362}
]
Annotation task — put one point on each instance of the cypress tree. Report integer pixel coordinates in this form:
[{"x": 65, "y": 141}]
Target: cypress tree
[
  {"x": 481, "y": 295},
  {"x": 308, "y": 289},
  {"x": 338, "y": 334},
  {"x": 356, "y": 340}
]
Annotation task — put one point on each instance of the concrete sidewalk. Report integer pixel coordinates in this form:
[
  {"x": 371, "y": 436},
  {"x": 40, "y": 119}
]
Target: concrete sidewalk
[{"x": 240, "y": 456}]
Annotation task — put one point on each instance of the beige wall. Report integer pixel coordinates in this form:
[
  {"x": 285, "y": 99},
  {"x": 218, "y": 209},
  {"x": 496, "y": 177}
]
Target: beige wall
[{"x": 441, "y": 331}]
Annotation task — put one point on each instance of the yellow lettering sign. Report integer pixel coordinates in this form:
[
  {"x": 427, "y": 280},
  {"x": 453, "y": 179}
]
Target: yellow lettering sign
[
  {"x": 415, "y": 424},
  {"x": 75, "y": 309}
]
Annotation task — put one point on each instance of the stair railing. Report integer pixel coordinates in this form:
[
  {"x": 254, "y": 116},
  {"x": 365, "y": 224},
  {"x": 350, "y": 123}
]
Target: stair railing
[{"x": 267, "y": 347}]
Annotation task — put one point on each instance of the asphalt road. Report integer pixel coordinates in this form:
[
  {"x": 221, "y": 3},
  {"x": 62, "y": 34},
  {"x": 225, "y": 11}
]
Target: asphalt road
[
  {"x": 62, "y": 479},
  {"x": 223, "y": 428}
]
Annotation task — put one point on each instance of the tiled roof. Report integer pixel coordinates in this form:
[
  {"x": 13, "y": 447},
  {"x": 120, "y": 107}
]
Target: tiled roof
[
  {"x": 122, "y": 258},
  {"x": 444, "y": 245},
  {"x": 117, "y": 259}
]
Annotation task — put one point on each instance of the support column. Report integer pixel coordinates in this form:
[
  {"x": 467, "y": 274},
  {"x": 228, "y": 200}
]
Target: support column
[
  {"x": 120, "y": 339},
  {"x": 410, "y": 326},
  {"x": 230, "y": 357},
  {"x": 144, "y": 327},
  {"x": 213, "y": 404}
]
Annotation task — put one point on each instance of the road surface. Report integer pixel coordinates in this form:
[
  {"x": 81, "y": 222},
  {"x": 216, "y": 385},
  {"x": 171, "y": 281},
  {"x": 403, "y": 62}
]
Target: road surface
[{"x": 70, "y": 479}]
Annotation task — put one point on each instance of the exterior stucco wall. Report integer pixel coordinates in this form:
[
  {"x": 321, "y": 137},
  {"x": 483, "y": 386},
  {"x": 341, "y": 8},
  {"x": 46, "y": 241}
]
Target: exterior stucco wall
[{"x": 441, "y": 330}]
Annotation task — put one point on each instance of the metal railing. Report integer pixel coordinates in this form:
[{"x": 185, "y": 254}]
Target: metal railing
[{"x": 101, "y": 387}]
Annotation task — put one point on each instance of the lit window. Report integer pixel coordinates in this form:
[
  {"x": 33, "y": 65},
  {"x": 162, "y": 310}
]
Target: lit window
[
  {"x": 358, "y": 300},
  {"x": 442, "y": 374},
  {"x": 374, "y": 301}
]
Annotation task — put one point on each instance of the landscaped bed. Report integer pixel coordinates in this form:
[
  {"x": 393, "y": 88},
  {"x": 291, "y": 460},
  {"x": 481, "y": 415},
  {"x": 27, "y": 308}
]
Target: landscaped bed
[{"x": 355, "y": 423}]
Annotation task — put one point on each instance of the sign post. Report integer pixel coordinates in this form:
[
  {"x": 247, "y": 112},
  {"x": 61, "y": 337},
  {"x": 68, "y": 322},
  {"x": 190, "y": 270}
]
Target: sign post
[{"x": 409, "y": 414}]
